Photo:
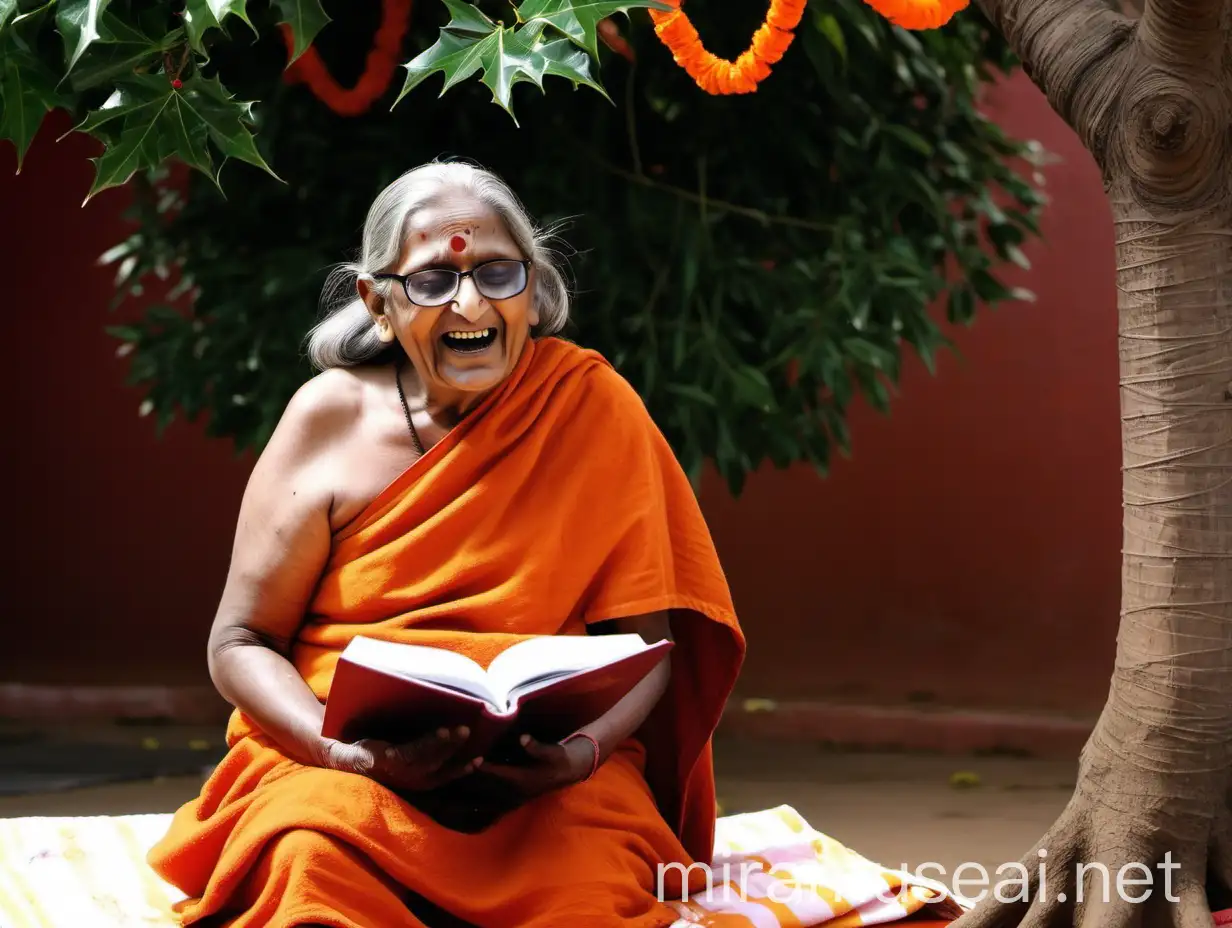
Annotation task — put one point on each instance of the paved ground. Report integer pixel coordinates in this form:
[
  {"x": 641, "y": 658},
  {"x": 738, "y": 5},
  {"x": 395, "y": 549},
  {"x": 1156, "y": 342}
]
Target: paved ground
[
  {"x": 899, "y": 809},
  {"x": 903, "y": 809}
]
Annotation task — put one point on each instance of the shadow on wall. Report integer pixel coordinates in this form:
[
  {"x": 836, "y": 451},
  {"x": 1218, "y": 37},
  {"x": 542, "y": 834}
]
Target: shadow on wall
[{"x": 975, "y": 528}]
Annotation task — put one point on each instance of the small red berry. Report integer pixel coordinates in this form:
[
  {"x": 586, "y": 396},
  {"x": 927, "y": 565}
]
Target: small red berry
[{"x": 177, "y": 83}]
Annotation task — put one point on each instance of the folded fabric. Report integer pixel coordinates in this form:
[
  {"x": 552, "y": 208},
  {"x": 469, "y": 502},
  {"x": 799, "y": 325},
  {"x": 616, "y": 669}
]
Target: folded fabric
[{"x": 771, "y": 869}]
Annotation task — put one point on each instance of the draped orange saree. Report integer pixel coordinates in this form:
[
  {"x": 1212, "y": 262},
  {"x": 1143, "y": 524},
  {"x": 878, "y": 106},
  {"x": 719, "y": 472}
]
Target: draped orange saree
[{"x": 556, "y": 504}]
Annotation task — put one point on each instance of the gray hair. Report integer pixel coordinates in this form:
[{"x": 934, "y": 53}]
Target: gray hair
[{"x": 346, "y": 336}]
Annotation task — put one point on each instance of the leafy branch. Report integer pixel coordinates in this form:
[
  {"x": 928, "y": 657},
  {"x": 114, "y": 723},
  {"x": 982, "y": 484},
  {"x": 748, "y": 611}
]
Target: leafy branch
[
  {"x": 749, "y": 283},
  {"x": 472, "y": 43},
  {"x": 138, "y": 76}
]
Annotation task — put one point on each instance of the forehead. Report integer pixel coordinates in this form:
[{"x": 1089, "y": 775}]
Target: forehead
[{"x": 430, "y": 228}]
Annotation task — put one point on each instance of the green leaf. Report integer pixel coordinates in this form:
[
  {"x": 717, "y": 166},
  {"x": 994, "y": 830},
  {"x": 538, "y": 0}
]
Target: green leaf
[
  {"x": 225, "y": 118},
  {"x": 828, "y": 26},
  {"x": 202, "y": 15},
  {"x": 458, "y": 52},
  {"x": 874, "y": 389},
  {"x": 146, "y": 121},
  {"x": 988, "y": 288},
  {"x": 471, "y": 42},
  {"x": 579, "y": 19},
  {"x": 1015, "y": 254},
  {"x": 871, "y": 36},
  {"x": 120, "y": 49},
  {"x": 563, "y": 59},
  {"x": 752, "y": 387},
  {"x": 1026, "y": 220},
  {"x": 953, "y": 152},
  {"x": 7, "y": 9},
  {"x": 306, "y": 19},
  {"x": 929, "y": 196},
  {"x": 692, "y": 392},
  {"x": 922, "y": 333},
  {"x": 961, "y": 308},
  {"x": 911, "y": 139},
  {"x": 867, "y": 353},
  {"x": 77, "y": 21},
  {"x": 467, "y": 18},
  {"x": 126, "y": 333},
  {"x": 27, "y": 93}
]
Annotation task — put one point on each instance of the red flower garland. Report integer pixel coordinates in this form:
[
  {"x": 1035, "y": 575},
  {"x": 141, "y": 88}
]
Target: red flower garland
[{"x": 379, "y": 69}]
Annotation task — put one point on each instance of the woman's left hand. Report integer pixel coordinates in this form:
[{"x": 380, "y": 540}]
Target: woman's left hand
[{"x": 548, "y": 767}]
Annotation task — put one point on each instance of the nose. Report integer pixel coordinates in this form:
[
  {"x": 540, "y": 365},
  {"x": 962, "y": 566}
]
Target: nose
[{"x": 468, "y": 303}]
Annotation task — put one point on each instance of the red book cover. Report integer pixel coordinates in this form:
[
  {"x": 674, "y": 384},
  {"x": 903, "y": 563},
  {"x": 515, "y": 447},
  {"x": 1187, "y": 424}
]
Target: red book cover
[{"x": 375, "y": 696}]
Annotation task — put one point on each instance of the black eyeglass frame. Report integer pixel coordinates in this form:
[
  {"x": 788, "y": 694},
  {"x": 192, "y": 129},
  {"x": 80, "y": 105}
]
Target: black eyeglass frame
[{"x": 459, "y": 276}]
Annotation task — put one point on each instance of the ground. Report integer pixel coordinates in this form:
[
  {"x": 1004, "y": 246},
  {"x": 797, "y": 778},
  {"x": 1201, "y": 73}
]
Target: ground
[{"x": 898, "y": 809}]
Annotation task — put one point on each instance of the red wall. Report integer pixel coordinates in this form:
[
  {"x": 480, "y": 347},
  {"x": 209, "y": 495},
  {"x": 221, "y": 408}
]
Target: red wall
[
  {"x": 121, "y": 537},
  {"x": 970, "y": 550},
  {"x": 974, "y": 529}
]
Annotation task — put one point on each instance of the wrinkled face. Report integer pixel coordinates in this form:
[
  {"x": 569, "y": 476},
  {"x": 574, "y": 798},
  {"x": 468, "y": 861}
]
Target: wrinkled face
[{"x": 462, "y": 343}]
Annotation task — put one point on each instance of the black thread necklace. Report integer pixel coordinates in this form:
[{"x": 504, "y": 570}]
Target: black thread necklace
[{"x": 407, "y": 410}]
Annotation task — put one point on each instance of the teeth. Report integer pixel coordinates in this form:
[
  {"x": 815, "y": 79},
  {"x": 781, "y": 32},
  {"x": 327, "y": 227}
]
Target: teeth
[{"x": 482, "y": 333}]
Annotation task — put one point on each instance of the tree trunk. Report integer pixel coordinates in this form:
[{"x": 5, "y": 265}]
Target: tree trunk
[{"x": 1151, "y": 99}]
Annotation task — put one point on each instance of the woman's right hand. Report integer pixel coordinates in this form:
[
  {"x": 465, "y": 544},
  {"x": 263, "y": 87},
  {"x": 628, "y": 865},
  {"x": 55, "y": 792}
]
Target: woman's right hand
[{"x": 418, "y": 766}]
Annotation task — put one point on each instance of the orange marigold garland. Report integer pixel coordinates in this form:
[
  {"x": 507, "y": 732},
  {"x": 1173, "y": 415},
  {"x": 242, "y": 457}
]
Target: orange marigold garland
[
  {"x": 718, "y": 76},
  {"x": 918, "y": 14},
  {"x": 378, "y": 69}
]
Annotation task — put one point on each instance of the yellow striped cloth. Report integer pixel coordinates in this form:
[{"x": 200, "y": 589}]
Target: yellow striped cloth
[
  {"x": 86, "y": 872},
  {"x": 770, "y": 870}
]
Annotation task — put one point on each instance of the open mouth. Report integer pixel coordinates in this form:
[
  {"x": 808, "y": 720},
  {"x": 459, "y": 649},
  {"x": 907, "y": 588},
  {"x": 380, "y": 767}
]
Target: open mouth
[{"x": 469, "y": 342}]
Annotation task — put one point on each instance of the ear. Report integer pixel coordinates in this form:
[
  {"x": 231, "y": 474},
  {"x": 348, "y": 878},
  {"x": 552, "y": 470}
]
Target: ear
[
  {"x": 532, "y": 314},
  {"x": 376, "y": 309}
]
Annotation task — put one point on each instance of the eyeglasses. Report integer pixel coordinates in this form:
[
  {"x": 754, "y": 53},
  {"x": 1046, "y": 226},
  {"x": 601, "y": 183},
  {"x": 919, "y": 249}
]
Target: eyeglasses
[{"x": 495, "y": 280}]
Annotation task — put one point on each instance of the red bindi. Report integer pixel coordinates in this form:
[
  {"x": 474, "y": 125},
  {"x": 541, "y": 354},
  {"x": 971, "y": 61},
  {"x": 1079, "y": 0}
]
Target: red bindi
[{"x": 457, "y": 243}]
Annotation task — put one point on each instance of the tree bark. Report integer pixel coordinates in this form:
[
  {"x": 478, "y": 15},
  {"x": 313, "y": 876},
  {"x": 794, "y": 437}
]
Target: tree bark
[
  {"x": 1151, "y": 98},
  {"x": 1078, "y": 52}
]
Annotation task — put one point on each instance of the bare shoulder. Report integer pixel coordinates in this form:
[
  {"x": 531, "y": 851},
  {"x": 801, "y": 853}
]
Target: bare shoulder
[
  {"x": 323, "y": 404},
  {"x": 320, "y": 416},
  {"x": 326, "y": 410}
]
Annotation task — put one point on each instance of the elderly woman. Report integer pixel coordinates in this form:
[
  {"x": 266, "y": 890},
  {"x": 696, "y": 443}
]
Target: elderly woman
[{"x": 457, "y": 475}]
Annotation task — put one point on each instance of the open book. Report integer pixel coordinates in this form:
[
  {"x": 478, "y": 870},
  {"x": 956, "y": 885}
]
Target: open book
[{"x": 547, "y": 686}]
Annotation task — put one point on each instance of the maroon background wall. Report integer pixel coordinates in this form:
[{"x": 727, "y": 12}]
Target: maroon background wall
[
  {"x": 978, "y": 525},
  {"x": 974, "y": 528}
]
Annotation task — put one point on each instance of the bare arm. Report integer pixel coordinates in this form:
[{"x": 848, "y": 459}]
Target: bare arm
[
  {"x": 627, "y": 716},
  {"x": 281, "y": 544},
  {"x": 553, "y": 766}
]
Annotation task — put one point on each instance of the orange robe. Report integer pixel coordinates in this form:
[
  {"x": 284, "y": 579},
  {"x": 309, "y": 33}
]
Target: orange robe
[{"x": 555, "y": 504}]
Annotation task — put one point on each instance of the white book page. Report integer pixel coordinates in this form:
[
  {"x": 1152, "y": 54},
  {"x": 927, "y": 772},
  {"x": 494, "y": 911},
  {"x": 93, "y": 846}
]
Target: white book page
[
  {"x": 539, "y": 659},
  {"x": 432, "y": 665}
]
